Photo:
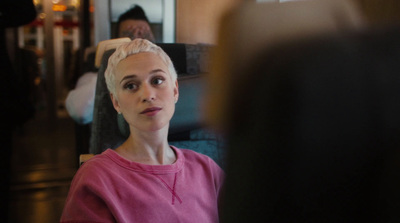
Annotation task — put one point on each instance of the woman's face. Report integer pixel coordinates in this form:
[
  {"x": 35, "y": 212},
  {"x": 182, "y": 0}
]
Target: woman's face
[{"x": 145, "y": 92}]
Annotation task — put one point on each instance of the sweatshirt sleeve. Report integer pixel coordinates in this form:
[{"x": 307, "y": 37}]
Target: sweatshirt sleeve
[
  {"x": 219, "y": 180},
  {"x": 86, "y": 201},
  {"x": 219, "y": 175}
]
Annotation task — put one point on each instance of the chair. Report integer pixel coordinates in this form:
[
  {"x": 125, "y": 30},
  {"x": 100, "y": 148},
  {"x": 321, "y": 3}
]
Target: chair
[
  {"x": 83, "y": 62},
  {"x": 109, "y": 129}
]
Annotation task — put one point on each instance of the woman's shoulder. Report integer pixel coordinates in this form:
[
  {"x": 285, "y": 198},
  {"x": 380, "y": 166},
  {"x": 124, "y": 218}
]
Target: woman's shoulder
[
  {"x": 189, "y": 154},
  {"x": 98, "y": 165},
  {"x": 193, "y": 157},
  {"x": 97, "y": 173},
  {"x": 198, "y": 164},
  {"x": 98, "y": 158}
]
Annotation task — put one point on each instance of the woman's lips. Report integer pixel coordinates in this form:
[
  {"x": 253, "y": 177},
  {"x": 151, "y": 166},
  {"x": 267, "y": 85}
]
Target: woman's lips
[{"x": 151, "y": 111}]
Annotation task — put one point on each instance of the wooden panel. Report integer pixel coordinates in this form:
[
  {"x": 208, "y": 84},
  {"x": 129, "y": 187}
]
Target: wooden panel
[{"x": 197, "y": 20}]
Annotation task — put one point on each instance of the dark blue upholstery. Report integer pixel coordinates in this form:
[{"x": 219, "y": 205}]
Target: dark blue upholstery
[{"x": 109, "y": 129}]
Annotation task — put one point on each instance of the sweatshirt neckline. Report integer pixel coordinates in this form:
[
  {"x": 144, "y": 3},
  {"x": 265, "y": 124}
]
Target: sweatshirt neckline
[{"x": 145, "y": 168}]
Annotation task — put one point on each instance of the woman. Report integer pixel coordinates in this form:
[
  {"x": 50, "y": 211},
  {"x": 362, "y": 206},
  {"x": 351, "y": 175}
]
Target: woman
[{"x": 144, "y": 179}]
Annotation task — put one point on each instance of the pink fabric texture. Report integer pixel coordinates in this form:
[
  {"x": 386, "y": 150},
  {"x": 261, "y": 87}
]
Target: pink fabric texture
[{"x": 109, "y": 188}]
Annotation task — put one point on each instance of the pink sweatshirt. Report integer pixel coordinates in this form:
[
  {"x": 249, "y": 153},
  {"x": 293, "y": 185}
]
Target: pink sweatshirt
[{"x": 109, "y": 188}]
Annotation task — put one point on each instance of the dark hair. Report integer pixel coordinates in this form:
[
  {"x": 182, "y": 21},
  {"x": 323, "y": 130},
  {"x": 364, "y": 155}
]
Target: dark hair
[{"x": 136, "y": 13}]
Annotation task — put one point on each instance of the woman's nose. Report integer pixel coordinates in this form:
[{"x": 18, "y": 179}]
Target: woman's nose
[{"x": 148, "y": 93}]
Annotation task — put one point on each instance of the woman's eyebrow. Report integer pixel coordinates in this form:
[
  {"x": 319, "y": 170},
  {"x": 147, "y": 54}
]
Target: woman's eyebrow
[{"x": 132, "y": 76}]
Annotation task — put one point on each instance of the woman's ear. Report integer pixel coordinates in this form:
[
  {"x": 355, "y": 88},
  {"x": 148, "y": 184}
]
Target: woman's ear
[
  {"x": 176, "y": 91},
  {"x": 115, "y": 103}
]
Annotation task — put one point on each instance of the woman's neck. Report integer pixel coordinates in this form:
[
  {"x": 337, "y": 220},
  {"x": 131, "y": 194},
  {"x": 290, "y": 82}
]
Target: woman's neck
[{"x": 151, "y": 148}]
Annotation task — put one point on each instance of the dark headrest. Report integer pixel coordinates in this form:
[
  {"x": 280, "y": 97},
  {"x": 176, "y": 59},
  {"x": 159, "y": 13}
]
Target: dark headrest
[
  {"x": 188, "y": 58},
  {"x": 177, "y": 53}
]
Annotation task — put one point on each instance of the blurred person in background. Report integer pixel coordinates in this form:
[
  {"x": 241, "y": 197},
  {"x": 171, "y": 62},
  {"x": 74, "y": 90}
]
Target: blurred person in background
[{"x": 15, "y": 107}]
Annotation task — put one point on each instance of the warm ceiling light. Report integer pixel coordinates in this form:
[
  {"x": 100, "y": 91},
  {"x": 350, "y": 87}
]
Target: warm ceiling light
[{"x": 59, "y": 8}]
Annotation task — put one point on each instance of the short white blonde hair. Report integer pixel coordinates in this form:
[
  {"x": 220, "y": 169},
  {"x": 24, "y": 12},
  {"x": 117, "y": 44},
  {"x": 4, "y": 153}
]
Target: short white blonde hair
[{"x": 134, "y": 47}]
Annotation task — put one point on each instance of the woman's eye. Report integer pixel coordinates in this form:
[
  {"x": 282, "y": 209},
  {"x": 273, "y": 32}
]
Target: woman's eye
[
  {"x": 157, "y": 81},
  {"x": 130, "y": 86}
]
